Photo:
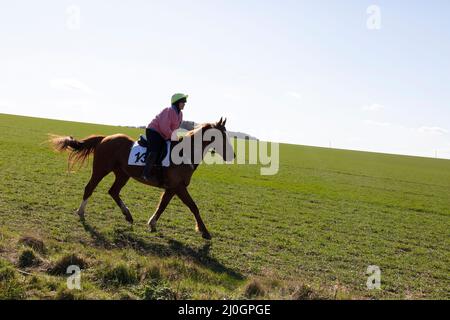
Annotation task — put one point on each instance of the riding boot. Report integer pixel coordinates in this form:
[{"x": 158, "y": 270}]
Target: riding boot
[{"x": 149, "y": 163}]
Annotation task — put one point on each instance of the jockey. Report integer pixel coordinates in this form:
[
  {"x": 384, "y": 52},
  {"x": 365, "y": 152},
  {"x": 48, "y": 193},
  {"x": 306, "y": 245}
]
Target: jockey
[{"x": 161, "y": 129}]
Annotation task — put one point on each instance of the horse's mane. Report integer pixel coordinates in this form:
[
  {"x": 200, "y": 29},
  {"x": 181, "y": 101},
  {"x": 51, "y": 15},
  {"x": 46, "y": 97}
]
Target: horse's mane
[{"x": 197, "y": 129}]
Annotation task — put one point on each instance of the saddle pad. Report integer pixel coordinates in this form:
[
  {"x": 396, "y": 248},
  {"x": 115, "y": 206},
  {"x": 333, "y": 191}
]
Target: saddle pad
[{"x": 138, "y": 154}]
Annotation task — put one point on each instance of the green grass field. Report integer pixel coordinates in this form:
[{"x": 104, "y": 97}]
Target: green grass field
[{"x": 309, "y": 232}]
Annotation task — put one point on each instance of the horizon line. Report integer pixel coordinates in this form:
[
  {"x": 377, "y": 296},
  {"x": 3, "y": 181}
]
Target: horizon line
[{"x": 285, "y": 143}]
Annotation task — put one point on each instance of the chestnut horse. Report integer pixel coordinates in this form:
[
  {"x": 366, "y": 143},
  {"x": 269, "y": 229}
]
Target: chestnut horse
[{"x": 111, "y": 155}]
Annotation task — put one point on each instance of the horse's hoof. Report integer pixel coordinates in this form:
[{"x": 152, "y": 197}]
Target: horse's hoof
[
  {"x": 129, "y": 219},
  {"x": 152, "y": 227},
  {"x": 80, "y": 214},
  {"x": 206, "y": 236}
]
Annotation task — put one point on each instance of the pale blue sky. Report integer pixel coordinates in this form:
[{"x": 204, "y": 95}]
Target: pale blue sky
[{"x": 303, "y": 72}]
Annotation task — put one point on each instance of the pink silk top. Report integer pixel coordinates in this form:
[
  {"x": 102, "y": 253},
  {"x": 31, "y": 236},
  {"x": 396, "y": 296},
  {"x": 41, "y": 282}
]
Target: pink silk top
[{"x": 166, "y": 122}]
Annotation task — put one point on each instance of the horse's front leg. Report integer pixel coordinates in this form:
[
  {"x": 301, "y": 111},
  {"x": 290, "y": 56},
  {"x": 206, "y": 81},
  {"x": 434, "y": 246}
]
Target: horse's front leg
[
  {"x": 166, "y": 196},
  {"x": 184, "y": 195}
]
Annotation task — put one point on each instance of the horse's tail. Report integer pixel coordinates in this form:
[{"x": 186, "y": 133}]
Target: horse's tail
[{"x": 79, "y": 149}]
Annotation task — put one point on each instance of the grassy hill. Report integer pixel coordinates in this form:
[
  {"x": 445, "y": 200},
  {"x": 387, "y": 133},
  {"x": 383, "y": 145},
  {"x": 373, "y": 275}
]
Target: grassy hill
[{"x": 310, "y": 231}]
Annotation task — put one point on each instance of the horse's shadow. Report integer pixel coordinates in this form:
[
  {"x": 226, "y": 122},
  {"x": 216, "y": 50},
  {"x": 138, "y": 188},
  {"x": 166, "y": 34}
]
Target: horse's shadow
[
  {"x": 124, "y": 237},
  {"x": 99, "y": 239}
]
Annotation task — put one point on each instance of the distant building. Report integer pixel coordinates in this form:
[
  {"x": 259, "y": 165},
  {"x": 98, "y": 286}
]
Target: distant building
[{"x": 190, "y": 125}]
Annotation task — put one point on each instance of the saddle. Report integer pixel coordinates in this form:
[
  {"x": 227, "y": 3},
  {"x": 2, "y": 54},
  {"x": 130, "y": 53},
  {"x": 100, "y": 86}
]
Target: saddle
[{"x": 142, "y": 141}]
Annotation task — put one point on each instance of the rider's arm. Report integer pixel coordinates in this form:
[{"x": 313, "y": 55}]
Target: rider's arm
[{"x": 168, "y": 123}]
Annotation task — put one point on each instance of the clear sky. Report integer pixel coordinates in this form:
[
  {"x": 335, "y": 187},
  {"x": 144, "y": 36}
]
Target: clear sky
[{"x": 303, "y": 72}]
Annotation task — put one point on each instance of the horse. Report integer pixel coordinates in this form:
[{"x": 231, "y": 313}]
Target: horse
[{"x": 111, "y": 155}]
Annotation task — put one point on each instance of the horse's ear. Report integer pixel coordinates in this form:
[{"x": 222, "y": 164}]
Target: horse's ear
[
  {"x": 224, "y": 121},
  {"x": 220, "y": 122}
]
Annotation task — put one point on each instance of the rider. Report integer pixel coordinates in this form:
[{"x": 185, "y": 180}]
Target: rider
[{"x": 161, "y": 129}]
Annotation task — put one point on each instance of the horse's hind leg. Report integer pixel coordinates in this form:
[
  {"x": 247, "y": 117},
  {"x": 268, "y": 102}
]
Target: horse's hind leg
[
  {"x": 89, "y": 189},
  {"x": 163, "y": 202},
  {"x": 121, "y": 180}
]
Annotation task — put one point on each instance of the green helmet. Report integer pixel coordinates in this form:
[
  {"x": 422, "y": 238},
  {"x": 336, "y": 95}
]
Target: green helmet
[{"x": 178, "y": 96}]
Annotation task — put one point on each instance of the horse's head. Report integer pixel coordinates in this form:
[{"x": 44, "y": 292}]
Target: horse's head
[
  {"x": 225, "y": 149},
  {"x": 212, "y": 136}
]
